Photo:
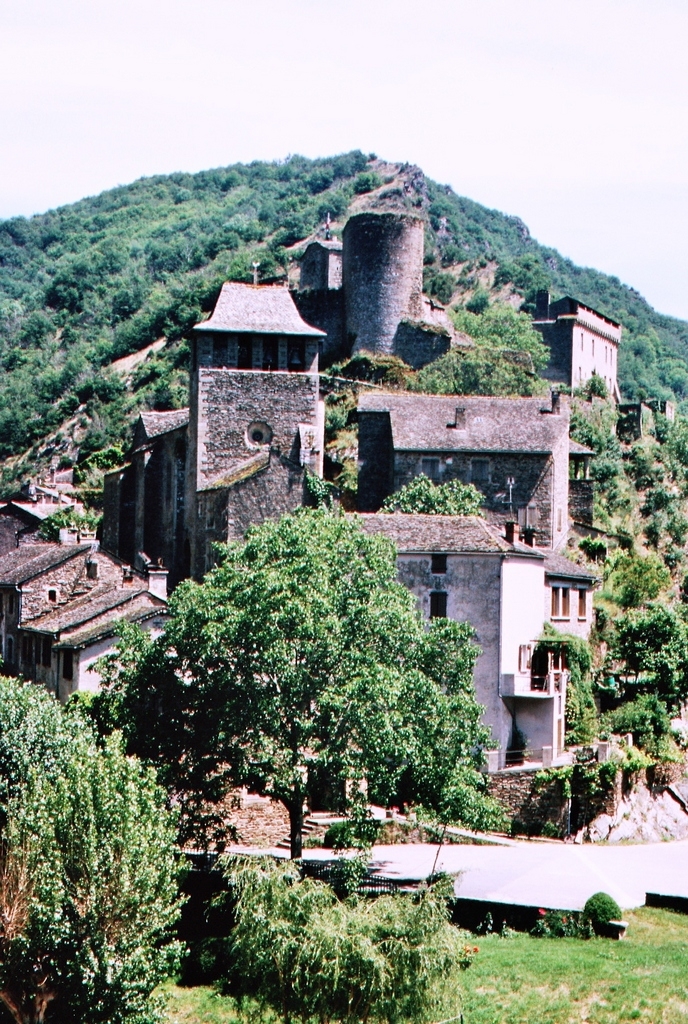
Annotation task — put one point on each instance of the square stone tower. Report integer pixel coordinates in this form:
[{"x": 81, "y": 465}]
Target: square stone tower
[{"x": 254, "y": 411}]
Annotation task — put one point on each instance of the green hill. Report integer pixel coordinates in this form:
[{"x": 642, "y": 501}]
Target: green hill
[{"x": 90, "y": 283}]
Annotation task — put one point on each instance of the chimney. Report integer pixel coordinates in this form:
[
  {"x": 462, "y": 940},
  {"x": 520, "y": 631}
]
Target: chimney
[
  {"x": 556, "y": 402},
  {"x": 542, "y": 305},
  {"x": 529, "y": 537},
  {"x": 459, "y": 419},
  {"x": 511, "y": 532},
  {"x": 157, "y": 581}
]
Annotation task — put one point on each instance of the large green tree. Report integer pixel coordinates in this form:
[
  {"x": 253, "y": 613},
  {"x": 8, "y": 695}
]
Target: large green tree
[
  {"x": 88, "y": 879},
  {"x": 300, "y": 663}
]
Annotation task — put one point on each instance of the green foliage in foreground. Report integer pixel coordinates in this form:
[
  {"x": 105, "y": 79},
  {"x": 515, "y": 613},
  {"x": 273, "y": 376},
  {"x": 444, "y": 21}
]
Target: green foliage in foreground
[
  {"x": 652, "y": 646},
  {"x": 306, "y": 955},
  {"x": 541, "y": 981},
  {"x": 422, "y": 495},
  {"x": 300, "y": 665},
  {"x": 88, "y": 880},
  {"x": 601, "y": 909}
]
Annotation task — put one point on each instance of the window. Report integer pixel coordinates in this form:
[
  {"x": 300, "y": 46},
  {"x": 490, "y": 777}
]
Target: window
[
  {"x": 431, "y": 469},
  {"x": 582, "y": 343},
  {"x": 270, "y": 354},
  {"x": 92, "y": 570},
  {"x": 559, "y": 520},
  {"x": 245, "y": 354},
  {"x": 439, "y": 564},
  {"x": 67, "y": 664},
  {"x": 525, "y": 654},
  {"x": 480, "y": 471},
  {"x": 561, "y": 606},
  {"x": 593, "y": 346},
  {"x": 296, "y": 356},
  {"x": 582, "y": 604},
  {"x": 219, "y": 351},
  {"x": 52, "y": 596},
  {"x": 438, "y": 605}
]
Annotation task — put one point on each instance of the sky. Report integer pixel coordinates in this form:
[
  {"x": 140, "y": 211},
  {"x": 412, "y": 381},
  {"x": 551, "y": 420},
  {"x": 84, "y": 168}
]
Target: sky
[{"x": 570, "y": 114}]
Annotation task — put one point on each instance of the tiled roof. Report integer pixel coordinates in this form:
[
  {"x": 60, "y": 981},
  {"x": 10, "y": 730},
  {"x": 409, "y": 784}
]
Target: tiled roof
[
  {"x": 142, "y": 606},
  {"x": 558, "y": 565},
  {"x": 86, "y": 608},
  {"x": 241, "y": 471},
  {"x": 156, "y": 423},
  {"x": 579, "y": 449},
  {"x": 412, "y": 533},
  {"x": 425, "y": 422},
  {"x": 35, "y": 510},
  {"x": 31, "y": 560},
  {"x": 259, "y": 309}
]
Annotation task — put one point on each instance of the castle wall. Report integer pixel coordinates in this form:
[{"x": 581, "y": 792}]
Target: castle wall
[
  {"x": 375, "y": 460},
  {"x": 321, "y": 267},
  {"x": 383, "y": 277},
  {"x": 419, "y": 344},
  {"x": 581, "y": 501},
  {"x": 325, "y": 309}
]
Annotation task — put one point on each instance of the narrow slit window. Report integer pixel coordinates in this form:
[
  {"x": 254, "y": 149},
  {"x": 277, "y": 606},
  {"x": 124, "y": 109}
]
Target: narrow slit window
[
  {"x": 67, "y": 665},
  {"x": 565, "y": 603},
  {"x": 582, "y": 604},
  {"x": 556, "y": 602}
]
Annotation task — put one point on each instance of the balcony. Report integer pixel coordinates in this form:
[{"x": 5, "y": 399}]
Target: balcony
[{"x": 529, "y": 685}]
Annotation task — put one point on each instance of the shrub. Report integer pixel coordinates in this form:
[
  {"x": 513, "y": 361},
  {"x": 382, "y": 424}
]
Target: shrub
[
  {"x": 562, "y": 924},
  {"x": 479, "y": 301},
  {"x": 600, "y": 909},
  {"x": 638, "y": 579},
  {"x": 421, "y": 495},
  {"x": 646, "y": 718},
  {"x": 596, "y": 550},
  {"x": 366, "y": 182}
]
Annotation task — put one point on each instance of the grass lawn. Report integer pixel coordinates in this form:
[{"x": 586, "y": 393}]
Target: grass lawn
[{"x": 521, "y": 980}]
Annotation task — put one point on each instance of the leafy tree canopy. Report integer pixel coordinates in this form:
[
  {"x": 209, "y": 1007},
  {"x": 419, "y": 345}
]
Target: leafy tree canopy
[
  {"x": 301, "y": 663},
  {"x": 654, "y": 643},
  {"x": 422, "y": 495},
  {"x": 88, "y": 881}
]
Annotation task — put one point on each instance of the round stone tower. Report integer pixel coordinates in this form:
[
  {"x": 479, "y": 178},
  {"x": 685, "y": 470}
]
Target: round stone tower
[{"x": 383, "y": 277}]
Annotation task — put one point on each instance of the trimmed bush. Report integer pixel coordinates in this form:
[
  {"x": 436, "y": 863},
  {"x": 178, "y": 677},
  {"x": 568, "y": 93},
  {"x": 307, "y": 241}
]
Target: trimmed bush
[{"x": 601, "y": 909}]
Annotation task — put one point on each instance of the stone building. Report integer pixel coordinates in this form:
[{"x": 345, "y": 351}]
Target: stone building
[
  {"x": 461, "y": 568},
  {"x": 239, "y": 453},
  {"x": 514, "y": 450},
  {"x": 581, "y": 342},
  {"x": 366, "y": 293},
  {"x": 60, "y": 605}
]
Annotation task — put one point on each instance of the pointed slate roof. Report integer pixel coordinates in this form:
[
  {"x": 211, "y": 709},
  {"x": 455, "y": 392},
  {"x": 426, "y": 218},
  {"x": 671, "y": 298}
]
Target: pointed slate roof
[
  {"x": 257, "y": 309},
  {"x": 416, "y": 532}
]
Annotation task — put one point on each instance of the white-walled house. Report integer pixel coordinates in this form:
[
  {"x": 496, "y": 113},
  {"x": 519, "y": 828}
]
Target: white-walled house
[{"x": 461, "y": 568}]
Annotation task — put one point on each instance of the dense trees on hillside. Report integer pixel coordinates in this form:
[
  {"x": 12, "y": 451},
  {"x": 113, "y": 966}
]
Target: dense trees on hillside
[{"x": 84, "y": 284}]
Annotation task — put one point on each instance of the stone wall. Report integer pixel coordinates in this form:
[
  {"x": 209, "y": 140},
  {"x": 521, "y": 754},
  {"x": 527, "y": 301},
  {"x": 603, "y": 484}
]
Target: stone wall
[
  {"x": 375, "y": 460},
  {"x": 419, "y": 344},
  {"x": 581, "y": 501},
  {"x": 324, "y": 308},
  {"x": 230, "y": 401},
  {"x": 383, "y": 277},
  {"x": 533, "y": 475}
]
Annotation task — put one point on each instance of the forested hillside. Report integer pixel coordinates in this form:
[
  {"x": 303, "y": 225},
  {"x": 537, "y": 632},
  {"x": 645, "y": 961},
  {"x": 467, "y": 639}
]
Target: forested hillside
[{"x": 90, "y": 283}]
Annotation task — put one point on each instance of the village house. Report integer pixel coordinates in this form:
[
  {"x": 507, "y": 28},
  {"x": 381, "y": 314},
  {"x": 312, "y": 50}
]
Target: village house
[
  {"x": 461, "y": 568},
  {"x": 59, "y": 608},
  {"x": 514, "y": 450},
  {"x": 581, "y": 342}
]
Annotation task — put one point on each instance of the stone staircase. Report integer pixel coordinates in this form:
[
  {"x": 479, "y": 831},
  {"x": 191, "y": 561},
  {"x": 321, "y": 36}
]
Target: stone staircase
[{"x": 315, "y": 824}]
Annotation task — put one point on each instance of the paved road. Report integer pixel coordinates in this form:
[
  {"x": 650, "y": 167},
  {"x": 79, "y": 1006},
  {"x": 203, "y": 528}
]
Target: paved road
[
  {"x": 550, "y": 875},
  {"x": 547, "y": 875}
]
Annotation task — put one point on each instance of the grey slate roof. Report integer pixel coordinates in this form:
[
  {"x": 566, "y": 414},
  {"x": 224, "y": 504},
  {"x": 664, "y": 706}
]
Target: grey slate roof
[
  {"x": 579, "y": 449},
  {"x": 86, "y": 608},
  {"x": 558, "y": 565},
  {"x": 31, "y": 560},
  {"x": 258, "y": 309},
  {"x": 425, "y": 422},
  {"x": 419, "y": 533},
  {"x": 141, "y": 606},
  {"x": 157, "y": 423}
]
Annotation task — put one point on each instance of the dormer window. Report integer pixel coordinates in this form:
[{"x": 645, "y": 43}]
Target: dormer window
[
  {"x": 439, "y": 564},
  {"x": 52, "y": 596}
]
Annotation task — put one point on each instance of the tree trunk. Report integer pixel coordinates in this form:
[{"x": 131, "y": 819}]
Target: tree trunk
[{"x": 296, "y": 826}]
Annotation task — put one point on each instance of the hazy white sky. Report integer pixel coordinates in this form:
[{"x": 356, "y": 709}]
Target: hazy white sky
[{"x": 569, "y": 113}]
